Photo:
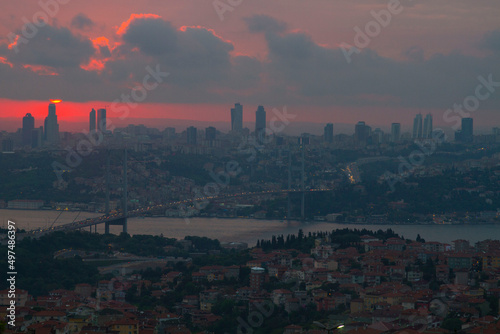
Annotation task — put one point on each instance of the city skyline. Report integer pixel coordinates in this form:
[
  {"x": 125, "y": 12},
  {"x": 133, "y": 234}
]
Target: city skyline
[
  {"x": 97, "y": 120},
  {"x": 273, "y": 59}
]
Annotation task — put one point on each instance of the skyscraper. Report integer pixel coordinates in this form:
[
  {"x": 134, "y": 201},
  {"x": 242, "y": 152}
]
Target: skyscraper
[
  {"x": 7, "y": 145},
  {"x": 36, "y": 136},
  {"x": 260, "y": 122},
  {"x": 328, "y": 133},
  {"x": 362, "y": 132},
  {"x": 395, "y": 132},
  {"x": 192, "y": 135},
  {"x": 28, "y": 127},
  {"x": 496, "y": 134},
  {"x": 237, "y": 117},
  {"x": 51, "y": 127},
  {"x": 304, "y": 139},
  {"x": 101, "y": 120},
  {"x": 417, "y": 127},
  {"x": 427, "y": 126},
  {"x": 378, "y": 136},
  {"x": 467, "y": 133},
  {"x": 92, "y": 120},
  {"x": 210, "y": 133}
]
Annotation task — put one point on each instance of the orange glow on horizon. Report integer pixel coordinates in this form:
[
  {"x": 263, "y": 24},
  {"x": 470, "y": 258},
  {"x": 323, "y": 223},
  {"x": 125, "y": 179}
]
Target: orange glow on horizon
[{"x": 56, "y": 101}]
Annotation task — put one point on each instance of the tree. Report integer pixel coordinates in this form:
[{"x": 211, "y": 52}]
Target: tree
[{"x": 419, "y": 239}]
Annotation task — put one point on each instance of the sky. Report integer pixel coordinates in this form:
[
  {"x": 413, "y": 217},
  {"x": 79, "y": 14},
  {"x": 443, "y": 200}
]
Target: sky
[{"x": 324, "y": 61}]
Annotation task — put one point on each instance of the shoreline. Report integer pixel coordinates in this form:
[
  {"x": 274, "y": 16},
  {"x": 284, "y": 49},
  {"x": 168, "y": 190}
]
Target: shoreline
[{"x": 97, "y": 214}]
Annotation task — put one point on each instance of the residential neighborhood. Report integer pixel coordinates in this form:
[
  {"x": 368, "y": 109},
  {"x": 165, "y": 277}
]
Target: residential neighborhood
[{"x": 360, "y": 283}]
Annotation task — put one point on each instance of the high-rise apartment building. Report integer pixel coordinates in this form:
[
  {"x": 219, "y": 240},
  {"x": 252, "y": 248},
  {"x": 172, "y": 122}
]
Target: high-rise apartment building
[
  {"x": 260, "y": 122},
  {"x": 417, "y": 127},
  {"x": 377, "y": 136},
  {"x": 51, "y": 127},
  {"x": 328, "y": 133},
  {"x": 92, "y": 120},
  {"x": 362, "y": 132},
  {"x": 467, "y": 130},
  {"x": 395, "y": 132},
  {"x": 427, "y": 133},
  {"x": 210, "y": 133},
  {"x": 192, "y": 135},
  {"x": 28, "y": 127},
  {"x": 237, "y": 117},
  {"x": 101, "y": 120}
]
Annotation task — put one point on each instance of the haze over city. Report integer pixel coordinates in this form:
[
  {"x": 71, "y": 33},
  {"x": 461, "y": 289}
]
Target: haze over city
[{"x": 250, "y": 166}]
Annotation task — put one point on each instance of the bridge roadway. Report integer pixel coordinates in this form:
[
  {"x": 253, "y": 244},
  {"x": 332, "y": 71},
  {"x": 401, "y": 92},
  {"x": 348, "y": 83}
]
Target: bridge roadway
[{"x": 115, "y": 219}]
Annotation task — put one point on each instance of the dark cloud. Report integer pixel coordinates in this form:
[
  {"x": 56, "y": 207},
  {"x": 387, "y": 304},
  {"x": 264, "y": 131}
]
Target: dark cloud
[
  {"x": 491, "y": 41},
  {"x": 196, "y": 56},
  {"x": 104, "y": 51},
  {"x": 291, "y": 47},
  {"x": 264, "y": 23},
  {"x": 314, "y": 74},
  {"x": 56, "y": 47},
  {"x": 153, "y": 36},
  {"x": 82, "y": 22},
  {"x": 203, "y": 69},
  {"x": 414, "y": 53}
]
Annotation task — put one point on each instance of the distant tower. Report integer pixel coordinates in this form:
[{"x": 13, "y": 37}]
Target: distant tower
[
  {"x": 8, "y": 145},
  {"x": 210, "y": 133},
  {"x": 92, "y": 121},
  {"x": 37, "y": 137},
  {"x": 417, "y": 127},
  {"x": 362, "y": 132},
  {"x": 237, "y": 117},
  {"x": 496, "y": 134},
  {"x": 191, "y": 135},
  {"x": 467, "y": 133},
  {"x": 378, "y": 136},
  {"x": 328, "y": 133},
  {"x": 260, "y": 122},
  {"x": 101, "y": 120},
  {"x": 395, "y": 132},
  {"x": 427, "y": 126},
  {"x": 28, "y": 127},
  {"x": 51, "y": 127}
]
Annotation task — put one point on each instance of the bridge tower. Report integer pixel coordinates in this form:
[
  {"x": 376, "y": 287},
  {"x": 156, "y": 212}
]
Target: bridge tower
[
  {"x": 289, "y": 209},
  {"x": 302, "y": 181},
  {"x": 302, "y": 184},
  {"x": 122, "y": 221},
  {"x": 125, "y": 191}
]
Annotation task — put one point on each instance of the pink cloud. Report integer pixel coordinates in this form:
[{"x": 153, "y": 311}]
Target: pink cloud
[{"x": 124, "y": 26}]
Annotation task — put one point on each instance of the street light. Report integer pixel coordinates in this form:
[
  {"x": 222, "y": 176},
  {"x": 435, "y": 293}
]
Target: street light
[{"x": 330, "y": 329}]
